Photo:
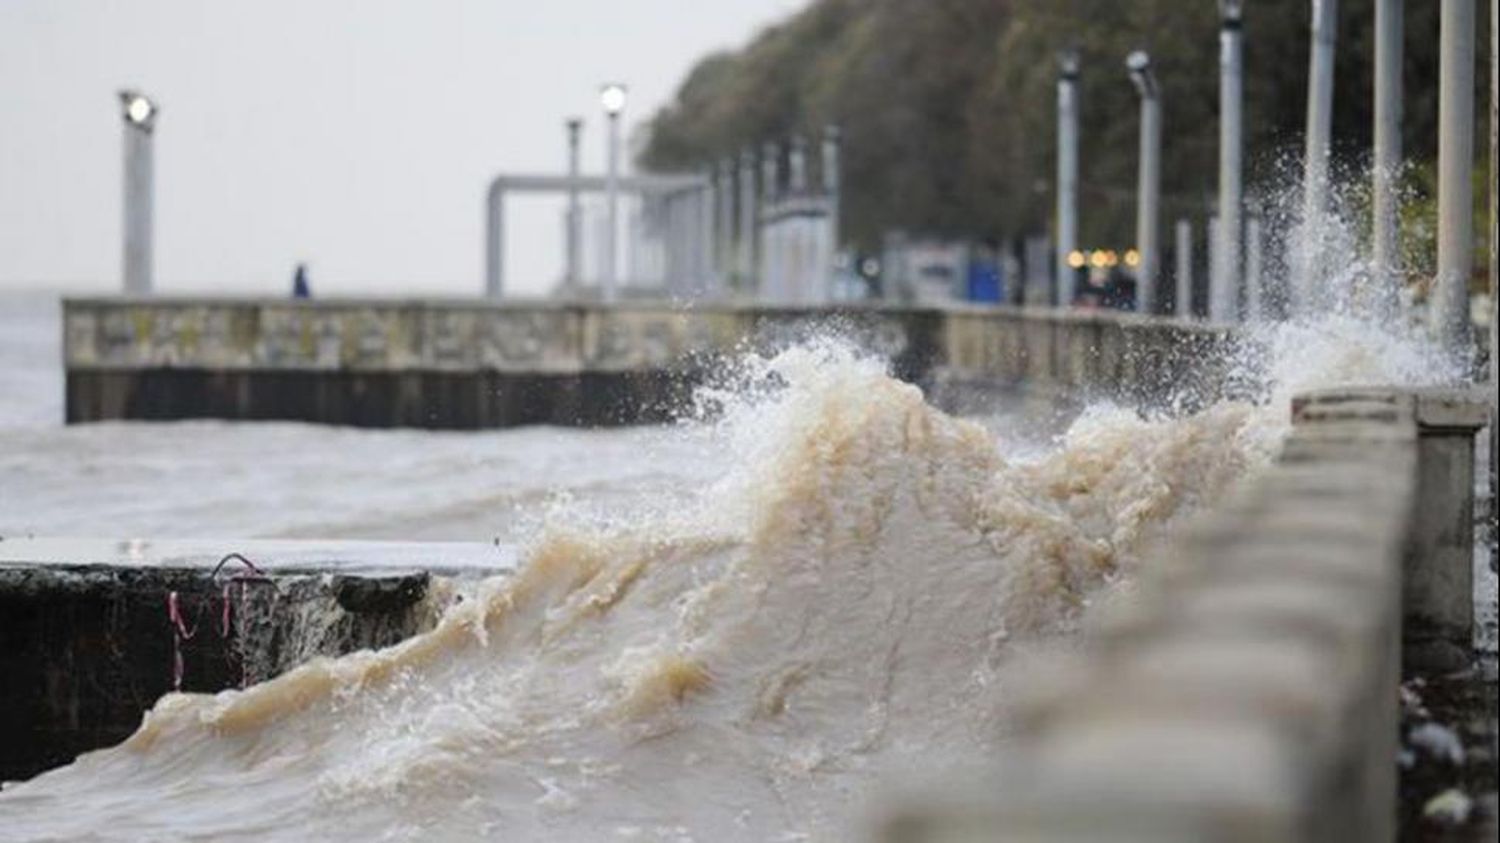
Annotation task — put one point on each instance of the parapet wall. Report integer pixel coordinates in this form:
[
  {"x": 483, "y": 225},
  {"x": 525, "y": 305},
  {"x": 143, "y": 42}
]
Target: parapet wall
[
  {"x": 1249, "y": 692},
  {"x": 466, "y": 364}
]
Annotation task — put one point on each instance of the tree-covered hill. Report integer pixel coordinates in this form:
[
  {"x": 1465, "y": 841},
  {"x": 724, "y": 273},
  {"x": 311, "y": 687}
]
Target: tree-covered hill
[{"x": 948, "y": 106}]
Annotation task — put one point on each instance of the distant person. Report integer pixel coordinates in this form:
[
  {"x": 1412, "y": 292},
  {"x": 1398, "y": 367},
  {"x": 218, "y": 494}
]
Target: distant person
[{"x": 300, "y": 289}]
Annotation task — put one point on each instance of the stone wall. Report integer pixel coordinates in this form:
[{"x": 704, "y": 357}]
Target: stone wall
[
  {"x": 465, "y": 364},
  {"x": 1249, "y": 693}
]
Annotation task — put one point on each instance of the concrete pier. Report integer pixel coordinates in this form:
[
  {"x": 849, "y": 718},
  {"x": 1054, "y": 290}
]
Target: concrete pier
[
  {"x": 464, "y": 365},
  {"x": 92, "y": 633}
]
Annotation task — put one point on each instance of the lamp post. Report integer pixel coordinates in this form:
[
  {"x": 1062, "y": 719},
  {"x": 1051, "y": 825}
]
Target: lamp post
[
  {"x": 1224, "y": 276},
  {"x": 1184, "y": 303},
  {"x": 1148, "y": 191},
  {"x": 1315, "y": 158},
  {"x": 1450, "y": 304},
  {"x": 1067, "y": 172},
  {"x": 1387, "y": 164},
  {"x": 139, "y": 113},
  {"x": 612, "y": 97},
  {"x": 571, "y": 276}
]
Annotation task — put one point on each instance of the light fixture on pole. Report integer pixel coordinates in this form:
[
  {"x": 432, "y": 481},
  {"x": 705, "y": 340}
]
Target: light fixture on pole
[
  {"x": 1067, "y": 173},
  {"x": 574, "y": 215},
  {"x": 1224, "y": 274},
  {"x": 139, "y": 113},
  {"x": 1148, "y": 190},
  {"x": 612, "y": 98}
]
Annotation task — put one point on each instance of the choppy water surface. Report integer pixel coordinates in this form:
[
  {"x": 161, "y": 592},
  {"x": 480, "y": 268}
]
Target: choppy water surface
[{"x": 745, "y": 627}]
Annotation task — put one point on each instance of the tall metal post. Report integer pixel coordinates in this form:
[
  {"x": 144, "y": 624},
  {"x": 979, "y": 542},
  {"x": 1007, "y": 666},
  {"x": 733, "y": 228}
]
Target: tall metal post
[
  {"x": 1224, "y": 279},
  {"x": 572, "y": 272},
  {"x": 1494, "y": 278},
  {"x": 1387, "y": 164},
  {"x": 140, "y": 122},
  {"x": 1184, "y": 303},
  {"x": 1255, "y": 293},
  {"x": 771, "y": 282},
  {"x": 1450, "y": 306},
  {"x": 832, "y": 183},
  {"x": 724, "y": 237},
  {"x": 1067, "y": 173},
  {"x": 1148, "y": 189},
  {"x": 1494, "y": 282},
  {"x": 612, "y": 97},
  {"x": 1311, "y": 270},
  {"x": 748, "y": 222}
]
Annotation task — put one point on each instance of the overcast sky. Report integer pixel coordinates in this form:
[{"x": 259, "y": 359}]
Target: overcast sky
[{"x": 357, "y": 135}]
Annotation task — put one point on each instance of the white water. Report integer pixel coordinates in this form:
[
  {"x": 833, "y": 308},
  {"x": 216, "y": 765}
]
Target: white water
[{"x": 819, "y": 592}]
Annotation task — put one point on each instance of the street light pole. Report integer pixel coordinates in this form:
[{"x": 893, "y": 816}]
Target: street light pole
[
  {"x": 140, "y": 114},
  {"x": 1224, "y": 275},
  {"x": 1148, "y": 191},
  {"x": 1387, "y": 163},
  {"x": 612, "y": 97},
  {"x": 1319, "y": 137},
  {"x": 1067, "y": 173},
  {"x": 1450, "y": 305},
  {"x": 571, "y": 275},
  {"x": 1184, "y": 303}
]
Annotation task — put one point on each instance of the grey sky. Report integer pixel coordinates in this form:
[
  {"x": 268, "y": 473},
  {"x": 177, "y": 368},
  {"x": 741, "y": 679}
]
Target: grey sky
[{"x": 355, "y": 135}]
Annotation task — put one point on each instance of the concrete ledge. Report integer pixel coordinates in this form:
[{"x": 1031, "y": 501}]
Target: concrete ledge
[
  {"x": 88, "y": 641},
  {"x": 469, "y": 364},
  {"x": 1248, "y": 692}
]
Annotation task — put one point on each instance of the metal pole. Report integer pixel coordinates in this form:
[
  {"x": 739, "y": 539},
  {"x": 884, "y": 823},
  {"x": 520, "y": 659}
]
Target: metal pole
[
  {"x": 1254, "y": 291},
  {"x": 1319, "y": 137},
  {"x": 1148, "y": 191},
  {"x": 140, "y": 123},
  {"x": 1184, "y": 303},
  {"x": 724, "y": 238},
  {"x": 747, "y": 221},
  {"x": 1224, "y": 280},
  {"x": 797, "y": 166},
  {"x": 612, "y": 191},
  {"x": 1494, "y": 288},
  {"x": 1387, "y": 164},
  {"x": 832, "y": 186},
  {"x": 1067, "y": 173},
  {"x": 770, "y": 251},
  {"x": 1450, "y": 306},
  {"x": 574, "y": 238}
]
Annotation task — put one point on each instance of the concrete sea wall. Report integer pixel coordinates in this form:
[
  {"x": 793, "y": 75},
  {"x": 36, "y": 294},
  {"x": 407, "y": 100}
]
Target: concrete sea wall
[
  {"x": 87, "y": 646},
  {"x": 1249, "y": 693},
  {"x": 466, "y": 364}
]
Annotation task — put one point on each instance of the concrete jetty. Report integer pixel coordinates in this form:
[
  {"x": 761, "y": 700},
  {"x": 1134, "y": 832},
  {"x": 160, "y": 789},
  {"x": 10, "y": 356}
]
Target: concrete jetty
[
  {"x": 93, "y": 632},
  {"x": 466, "y": 364}
]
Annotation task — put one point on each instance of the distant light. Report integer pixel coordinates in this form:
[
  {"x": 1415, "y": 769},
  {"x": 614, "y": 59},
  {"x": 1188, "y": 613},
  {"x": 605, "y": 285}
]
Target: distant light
[
  {"x": 139, "y": 110},
  {"x": 612, "y": 97},
  {"x": 1132, "y": 257},
  {"x": 1230, "y": 11},
  {"x": 1099, "y": 259},
  {"x": 1076, "y": 259},
  {"x": 869, "y": 267},
  {"x": 1137, "y": 61}
]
